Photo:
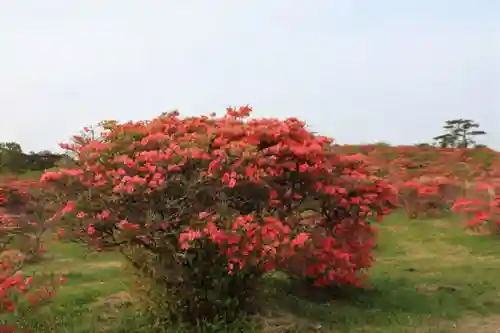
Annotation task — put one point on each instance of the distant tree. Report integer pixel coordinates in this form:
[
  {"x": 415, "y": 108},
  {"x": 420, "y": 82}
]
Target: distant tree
[
  {"x": 11, "y": 147},
  {"x": 382, "y": 144},
  {"x": 14, "y": 160},
  {"x": 459, "y": 133},
  {"x": 423, "y": 145},
  {"x": 42, "y": 160},
  {"x": 11, "y": 157}
]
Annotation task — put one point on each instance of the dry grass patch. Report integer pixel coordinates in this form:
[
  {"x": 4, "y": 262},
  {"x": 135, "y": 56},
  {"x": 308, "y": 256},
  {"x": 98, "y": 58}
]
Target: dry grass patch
[
  {"x": 114, "y": 300},
  {"x": 474, "y": 324},
  {"x": 104, "y": 264}
]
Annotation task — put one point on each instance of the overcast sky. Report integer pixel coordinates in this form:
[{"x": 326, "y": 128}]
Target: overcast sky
[{"x": 359, "y": 71}]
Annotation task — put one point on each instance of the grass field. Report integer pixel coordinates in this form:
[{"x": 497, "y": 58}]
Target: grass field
[{"x": 431, "y": 276}]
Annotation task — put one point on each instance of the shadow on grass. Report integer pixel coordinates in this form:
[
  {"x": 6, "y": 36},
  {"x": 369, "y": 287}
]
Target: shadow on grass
[{"x": 390, "y": 302}]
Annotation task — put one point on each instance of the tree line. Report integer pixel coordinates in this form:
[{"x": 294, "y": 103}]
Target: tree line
[{"x": 14, "y": 160}]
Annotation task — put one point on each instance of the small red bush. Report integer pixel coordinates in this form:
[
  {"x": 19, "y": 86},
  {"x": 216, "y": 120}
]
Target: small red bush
[
  {"x": 20, "y": 293},
  {"x": 427, "y": 197},
  {"x": 27, "y": 209},
  {"x": 22, "y": 224},
  {"x": 483, "y": 208}
]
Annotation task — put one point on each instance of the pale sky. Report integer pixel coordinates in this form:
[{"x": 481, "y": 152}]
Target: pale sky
[{"x": 359, "y": 71}]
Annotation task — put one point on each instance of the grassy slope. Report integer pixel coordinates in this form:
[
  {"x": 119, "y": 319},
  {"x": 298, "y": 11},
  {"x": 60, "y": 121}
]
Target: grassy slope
[{"x": 431, "y": 276}]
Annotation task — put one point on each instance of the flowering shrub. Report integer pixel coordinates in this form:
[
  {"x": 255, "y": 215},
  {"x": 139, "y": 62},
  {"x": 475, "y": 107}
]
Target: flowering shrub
[
  {"x": 16, "y": 287},
  {"x": 483, "y": 209},
  {"x": 20, "y": 293},
  {"x": 427, "y": 197},
  {"x": 429, "y": 180},
  {"x": 12, "y": 193},
  {"x": 204, "y": 206},
  {"x": 27, "y": 209}
]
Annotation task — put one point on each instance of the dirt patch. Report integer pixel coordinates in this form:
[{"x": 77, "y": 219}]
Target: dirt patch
[
  {"x": 278, "y": 323},
  {"x": 105, "y": 264},
  {"x": 478, "y": 231},
  {"x": 388, "y": 261},
  {"x": 429, "y": 288},
  {"x": 63, "y": 261},
  {"x": 114, "y": 300},
  {"x": 443, "y": 224},
  {"x": 479, "y": 325},
  {"x": 68, "y": 266},
  {"x": 91, "y": 285},
  {"x": 426, "y": 287},
  {"x": 394, "y": 228}
]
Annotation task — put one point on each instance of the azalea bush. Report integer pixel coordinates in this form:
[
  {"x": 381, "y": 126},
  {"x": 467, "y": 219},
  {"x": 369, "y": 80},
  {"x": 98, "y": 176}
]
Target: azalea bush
[
  {"x": 202, "y": 207},
  {"x": 20, "y": 294},
  {"x": 424, "y": 198},
  {"x": 430, "y": 180},
  {"x": 12, "y": 193},
  {"x": 482, "y": 209},
  {"x": 28, "y": 209}
]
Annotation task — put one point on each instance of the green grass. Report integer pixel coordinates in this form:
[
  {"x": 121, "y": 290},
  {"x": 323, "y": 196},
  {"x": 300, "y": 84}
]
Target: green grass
[{"x": 430, "y": 276}]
